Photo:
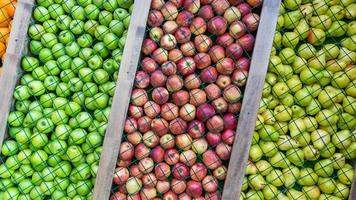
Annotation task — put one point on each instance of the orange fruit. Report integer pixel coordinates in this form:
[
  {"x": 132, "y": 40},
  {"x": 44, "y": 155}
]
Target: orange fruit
[
  {"x": 10, "y": 24},
  {"x": 4, "y": 34},
  {"x": 10, "y": 9},
  {"x": 4, "y": 18},
  {"x": 2, "y": 49}
]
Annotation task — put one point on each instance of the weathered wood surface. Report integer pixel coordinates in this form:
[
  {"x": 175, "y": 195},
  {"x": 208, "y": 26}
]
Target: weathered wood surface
[
  {"x": 121, "y": 100},
  {"x": 251, "y": 101},
  {"x": 353, "y": 186},
  {"x": 12, "y": 68}
]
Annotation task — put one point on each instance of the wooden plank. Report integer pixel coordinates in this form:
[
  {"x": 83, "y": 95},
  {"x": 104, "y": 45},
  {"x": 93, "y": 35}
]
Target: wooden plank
[
  {"x": 11, "y": 68},
  {"x": 251, "y": 101},
  {"x": 352, "y": 195},
  {"x": 121, "y": 100}
]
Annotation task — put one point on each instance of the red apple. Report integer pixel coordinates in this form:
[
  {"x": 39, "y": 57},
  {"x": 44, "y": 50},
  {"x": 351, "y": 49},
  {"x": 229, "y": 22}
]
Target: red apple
[
  {"x": 130, "y": 125},
  {"x": 156, "y": 33},
  {"x": 146, "y": 165},
  {"x": 180, "y": 98},
  {"x": 157, "y": 4},
  {"x": 142, "y": 79},
  {"x": 223, "y": 81},
  {"x": 150, "y": 139},
  {"x": 224, "y": 40},
  {"x": 170, "y": 27},
  {"x": 141, "y": 151},
  {"x": 239, "y": 77},
  {"x": 198, "y": 171},
  {"x": 200, "y": 146},
  {"x": 184, "y": 18},
  {"x": 235, "y": 2},
  {"x": 135, "y": 112},
  {"x": 180, "y": 171},
  {"x": 246, "y": 42},
  {"x": 149, "y": 180},
  {"x": 234, "y": 51},
  {"x": 219, "y": 6},
  {"x": 177, "y": 126},
  {"x": 244, "y": 9},
  {"x": 174, "y": 82},
  {"x": 210, "y": 184},
  {"x": 198, "y": 26},
  {"x": 167, "y": 141},
  {"x": 216, "y": 53},
  {"x": 121, "y": 175},
  {"x": 220, "y": 172},
  {"x": 170, "y": 195},
  {"x": 251, "y": 20},
  {"x": 188, "y": 157},
  {"x": 230, "y": 121},
  {"x": 149, "y": 65},
  {"x": 243, "y": 63},
  {"x": 191, "y": 5},
  {"x": 194, "y": 188},
  {"x": 196, "y": 129},
  {"x": 232, "y": 14},
  {"x": 213, "y": 196},
  {"x": 135, "y": 171},
  {"x": 139, "y": 97},
  {"x": 159, "y": 126},
  {"x": 184, "y": 196},
  {"x": 118, "y": 196},
  {"x": 175, "y": 55},
  {"x": 232, "y": 94},
  {"x": 206, "y": 12},
  {"x": 171, "y": 157},
  {"x": 134, "y": 196},
  {"x": 148, "y": 193},
  {"x": 177, "y": 3},
  {"x": 168, "y": 42},
  {"x": 182, "y": 35},
  {"x": 223, "y": 151},
  {"x": 202, "y": 43},
  {"x": 169, "y": 68},
  {"x": 209, "y": 75},
  {"x": 220, "y": 105},
  {"x": 162, "y": 186},
  {"x": 192, "y": 81},
  {"x": 188, "y": 49},
  {"x": 160, "y": 55},
  {"x": 151, "y": 109},
  {"x": 169, "y": 111},
  {"x": 169, "y": 11},
  {"x": 225, "y": 66},
  {"x": 158, "y": 79},
  {"x": 215, "y": 124},
  {"x": 178, "y": 186},
  {"x": 212, "y": 91},
  {"x": 254, "y": 3},
  {"x": 184, "y": 141},
  {"x": 134, "y": 138},
  {"x": 202, "y": 60},
  {"x": 160, "y": 95},
  {"x": 162, "y": 171},
  {"x": 148, "y": 46},
  {"x": 126, "y": 151},
  {"x": 205, "y": 111},
  {"x": 155, "y": 18},
  {"x": 211, "y": 160},
  {"x": 187, "y": 112},
  {"x": 213, "y": 138},
  {"x": 234, "y": 107},
  {"x": 157, "y": 153},
  {"x": 217, "y": 25},
  {"x": 197, "y": 97},
  {"x": 237, "y": 29},
  {"x": 123, "y": 163}
]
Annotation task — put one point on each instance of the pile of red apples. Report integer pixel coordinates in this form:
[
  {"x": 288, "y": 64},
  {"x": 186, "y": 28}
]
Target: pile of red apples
[{"x": 187, "y": 95}]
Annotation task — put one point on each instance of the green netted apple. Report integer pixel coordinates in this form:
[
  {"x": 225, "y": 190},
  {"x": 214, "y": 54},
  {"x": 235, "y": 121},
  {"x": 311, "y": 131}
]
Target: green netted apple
[
  {"x": 279, "y": 160},
  {"x": 291, "y": 174},
  {"x": 273, "y": 102},
  {"x": 350, "y": 152},
  {"x": 327, "y": 185},
  {"x": 268, "y": 117},
  {"x": 349, "y": 105},
  {"x": 280, "y": 89},
  {"x": 296, "y": 127},
  {"x": 281, "y": 127},
  {"x": 291, "y": 19},
  {"x": 287, "y": 55},
  {"x": 316, "y": 36},
  {"x": 263, "y": 167},
  {"x": 306, "y": 50},
  {"x": 294, "y": 83},
  {"x": 324, "y": 168},
  {"x": 307, "y": 177},
  {"x": 312, "y": 192},
  {"x": 303, "y": 97},
  {"x": 256, "y": 182},
  {"x": 282, "y": 113},
  {"x": 320, "y": 138},
  {"x": 273, "y": 62},
  {"x": 296, "y": 156},
  {"x": 310, "y": 153},
  {"x": 270, "y": 191},
  {"x": 269, "y": 149},
  {"x": 318, "y": 61},
  {"x": 310, "y": 123},
  {"x": 319, "y": 7},
  {"x": 255, "y": 152},
  {"x": 290, "y": 39},
  {"x": 297, "y": 111},
  {"x": 342, "y": 191},
  {"x": 284, "y": 71},
  {"x": 275, "y": 177},
  {"x": 268, "y": 133},
  {"x": 342, "y": 139},
  {"x": 310, "y": 76},
  {"x": 313, "y": 108},
  {"x": 349, "y": 42},
  {"x": 133, "y": 185},
  {"x": 259, "y": 122},
  {"x": 345, "y": 174},
  {"x": 322, "y": 22},
  {"x": 295, "y": 194},
  {"x": 302, "y": 29}
]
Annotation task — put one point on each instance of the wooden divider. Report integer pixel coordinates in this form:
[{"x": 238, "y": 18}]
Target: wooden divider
[
  {"x": 251, "y": 100},
  {"x": 352, "y": 195},
  {"x": 128, "y": 67},
  {"x": 12, "y": 69}
]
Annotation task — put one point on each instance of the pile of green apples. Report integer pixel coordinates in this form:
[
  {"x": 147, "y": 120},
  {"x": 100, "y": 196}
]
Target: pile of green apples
[
  {"x": 305, "y": 137},
  {"x": 63, "y": 99}
]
